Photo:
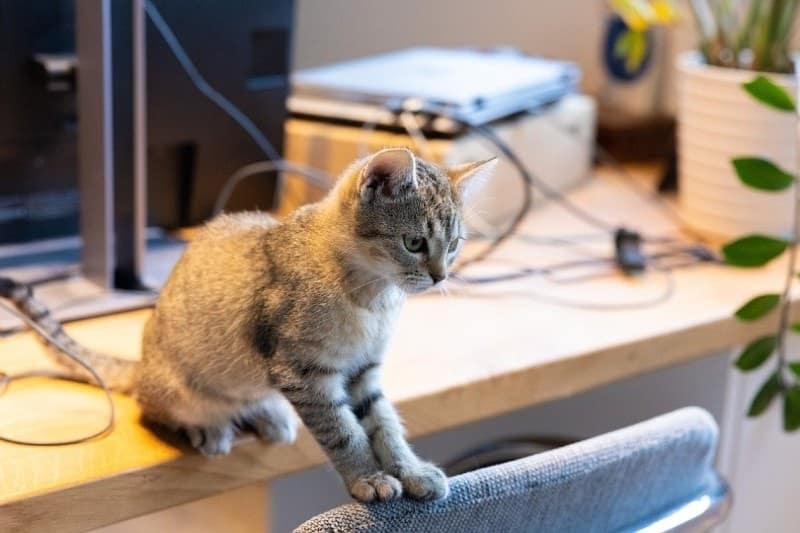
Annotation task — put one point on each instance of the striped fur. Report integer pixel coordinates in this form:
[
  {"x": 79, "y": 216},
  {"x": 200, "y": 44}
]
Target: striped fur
[
  {"x": 117, "y": 373},
  {"x": 258, "y": 315}
]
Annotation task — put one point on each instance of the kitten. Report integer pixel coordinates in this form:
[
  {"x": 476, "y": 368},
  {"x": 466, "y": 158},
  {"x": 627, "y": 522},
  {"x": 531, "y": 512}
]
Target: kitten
[{"x": 259, "y": 316}]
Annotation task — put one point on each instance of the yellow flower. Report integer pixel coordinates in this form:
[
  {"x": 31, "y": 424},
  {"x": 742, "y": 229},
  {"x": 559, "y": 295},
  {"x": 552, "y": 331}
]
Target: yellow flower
[
  {"x": 664, "y": 11},
  {"x": 636, "y": 14},
  {"x": 639, "y": 15}
]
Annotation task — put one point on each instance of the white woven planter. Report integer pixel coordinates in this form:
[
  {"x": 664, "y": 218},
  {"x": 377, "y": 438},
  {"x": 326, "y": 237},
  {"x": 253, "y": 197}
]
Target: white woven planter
[{"x": 718, "y": 121}]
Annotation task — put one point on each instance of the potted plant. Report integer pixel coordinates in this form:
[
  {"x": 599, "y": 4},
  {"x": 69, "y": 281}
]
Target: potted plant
[
  {"x": 719, "y": 122},
  {"x": 738, "y": 143}
]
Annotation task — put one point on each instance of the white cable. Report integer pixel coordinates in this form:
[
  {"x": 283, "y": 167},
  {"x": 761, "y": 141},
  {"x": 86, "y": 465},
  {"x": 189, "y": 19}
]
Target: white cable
[
  {"x": 366, "y": 132},
  {"x": 5, "y": 380},
  {"x": 312, "y": 175},
  {"x": 410, "y": 123}
]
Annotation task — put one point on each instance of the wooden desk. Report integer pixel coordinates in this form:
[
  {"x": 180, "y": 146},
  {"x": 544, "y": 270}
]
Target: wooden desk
[{"x": 453, "y": 360}]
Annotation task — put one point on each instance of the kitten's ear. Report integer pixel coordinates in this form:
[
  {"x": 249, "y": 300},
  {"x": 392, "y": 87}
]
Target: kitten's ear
[
  {"x": 465, "y": 177},
  {"x": 389, "y": 174}
]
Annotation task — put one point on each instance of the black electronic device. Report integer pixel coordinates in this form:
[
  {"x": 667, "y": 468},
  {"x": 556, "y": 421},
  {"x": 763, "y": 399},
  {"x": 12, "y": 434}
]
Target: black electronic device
[
  {"x": 104, "y": 133},
  {"x": 241, "y": 47}
]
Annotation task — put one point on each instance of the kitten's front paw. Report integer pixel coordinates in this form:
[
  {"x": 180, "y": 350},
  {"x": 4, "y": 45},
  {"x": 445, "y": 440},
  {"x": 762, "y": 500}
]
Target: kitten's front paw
[
  {"x": 425, "y": 481},
  {"x": 378, "y": 486}
]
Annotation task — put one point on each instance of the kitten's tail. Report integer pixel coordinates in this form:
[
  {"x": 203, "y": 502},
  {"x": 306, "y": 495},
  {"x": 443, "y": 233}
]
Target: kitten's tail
[{"x": 118, "y": 374}]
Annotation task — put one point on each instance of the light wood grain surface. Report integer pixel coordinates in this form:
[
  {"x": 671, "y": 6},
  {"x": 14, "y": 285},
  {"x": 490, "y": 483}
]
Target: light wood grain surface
[{"x": 454, "y": 359}]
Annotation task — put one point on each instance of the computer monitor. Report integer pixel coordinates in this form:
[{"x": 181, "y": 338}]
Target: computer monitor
[
  {"x": 55, "y": 163},
  {"x": 240, "y": 46}
]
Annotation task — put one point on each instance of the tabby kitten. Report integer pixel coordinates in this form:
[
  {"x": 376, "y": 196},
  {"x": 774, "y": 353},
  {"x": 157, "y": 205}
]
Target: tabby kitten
[{"x": 259, "y": 316}]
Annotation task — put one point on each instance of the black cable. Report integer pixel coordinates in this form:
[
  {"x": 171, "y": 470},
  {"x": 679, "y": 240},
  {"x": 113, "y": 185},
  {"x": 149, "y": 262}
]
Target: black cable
[
  {"x": 651, "y": 197},
  {"x": 203, "y": 86},
  {"x": 525, "y": 208},
  {"x": 550, "y": 193},
  {"x": 629, "y": 256},
  {"x": 631, "y": 184},
  {"x": 697, "y": 253},
  {"x": 275, "y": 162},
  {"x": 529, "y": 181}
]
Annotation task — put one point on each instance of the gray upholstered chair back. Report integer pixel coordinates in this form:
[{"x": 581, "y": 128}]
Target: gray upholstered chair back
[{"x": 657, "y": 475}]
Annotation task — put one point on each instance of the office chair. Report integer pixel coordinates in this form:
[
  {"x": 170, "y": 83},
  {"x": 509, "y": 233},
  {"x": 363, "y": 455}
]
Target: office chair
[{"x": 654, "y": 476}]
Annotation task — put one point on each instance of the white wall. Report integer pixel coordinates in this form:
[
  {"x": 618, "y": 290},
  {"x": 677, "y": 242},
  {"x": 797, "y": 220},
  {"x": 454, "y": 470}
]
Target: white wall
[{"x": 333, "y": 30}]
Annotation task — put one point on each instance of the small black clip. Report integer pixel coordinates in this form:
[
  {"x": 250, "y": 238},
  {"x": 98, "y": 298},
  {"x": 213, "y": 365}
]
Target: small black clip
[
  {"x": 628, "y": 251},
  {"x": 7, "y": 286}
]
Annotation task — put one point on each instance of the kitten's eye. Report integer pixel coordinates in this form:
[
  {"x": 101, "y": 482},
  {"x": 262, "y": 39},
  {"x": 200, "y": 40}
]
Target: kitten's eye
[
  {"x": 453, "y": 246},
  {"x": 414, "y": 244}
]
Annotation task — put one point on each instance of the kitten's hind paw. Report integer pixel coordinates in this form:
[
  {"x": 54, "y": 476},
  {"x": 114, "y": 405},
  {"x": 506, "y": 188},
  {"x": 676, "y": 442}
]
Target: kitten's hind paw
[
  {"x": 272, "y": 420},
  {"x": 424, "y": 481},
  {"x": 215, "y": 440},
  {"x": 281, "y": 431},
  {"x": 378, "y": 486}
]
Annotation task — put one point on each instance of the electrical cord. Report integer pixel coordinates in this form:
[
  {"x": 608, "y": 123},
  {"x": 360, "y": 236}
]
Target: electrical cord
[
  {"x": 664, "y": 295},
  {"x": 652, "y": 197},
  {"x": 276, "y": 163},
  {"x": 203, "y": 86},
  {"x": 629, "y": 256},
  {"x": 631, "y": 183},
  {"x": 410, "y": 122},
  {"x": 620, "y": 234},
  {"x": 6, "y": 380},
  {"x": 406, "y": 114},
  {"x": 313, "y": 176},
  {"x": 696, "y": 254}
]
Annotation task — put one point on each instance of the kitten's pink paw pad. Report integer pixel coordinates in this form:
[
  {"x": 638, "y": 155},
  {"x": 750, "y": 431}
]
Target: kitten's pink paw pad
[{"x": 378, "y": 486}]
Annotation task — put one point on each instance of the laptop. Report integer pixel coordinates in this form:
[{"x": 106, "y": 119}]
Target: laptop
[{"x": 478, "y": 86}]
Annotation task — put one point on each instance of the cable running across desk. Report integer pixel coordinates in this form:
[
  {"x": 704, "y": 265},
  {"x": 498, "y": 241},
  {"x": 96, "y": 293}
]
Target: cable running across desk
[{"x": 6, "y": 380}]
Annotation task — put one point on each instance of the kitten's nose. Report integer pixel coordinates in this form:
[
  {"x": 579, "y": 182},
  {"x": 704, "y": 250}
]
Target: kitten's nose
[{"x": 436, "y": 277}]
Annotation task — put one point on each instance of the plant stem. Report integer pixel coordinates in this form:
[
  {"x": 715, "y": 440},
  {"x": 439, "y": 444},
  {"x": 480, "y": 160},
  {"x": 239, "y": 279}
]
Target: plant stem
[
  {"x": 786, "y": 299},
  {"x": 775, "y": 47}
]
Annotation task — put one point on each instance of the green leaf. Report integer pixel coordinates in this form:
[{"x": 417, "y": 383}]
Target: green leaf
[
  {"x": 791, "y": 409},
  {"x": 753, "y": 250},
  {"x": 795, "y": 367},
  {"x": 795, "y": 327},
  {"x": 756, "y": 353},
  {"x": 766, "y": 92},
  {"x": 761, "y": 174},
  {"x": 764, "y": 396},
  {"x": 758, "y": 307}
]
